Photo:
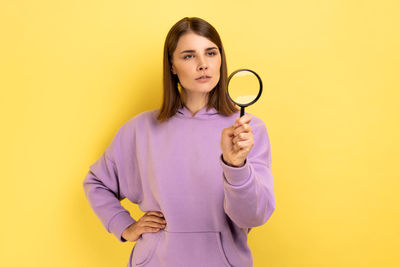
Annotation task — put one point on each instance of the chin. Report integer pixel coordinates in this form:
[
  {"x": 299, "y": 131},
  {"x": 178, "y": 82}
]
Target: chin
[
  {"x": 210, "y": 86},
  {"x": 203, "y": 88},
  {"x": 207, "y": 89}
]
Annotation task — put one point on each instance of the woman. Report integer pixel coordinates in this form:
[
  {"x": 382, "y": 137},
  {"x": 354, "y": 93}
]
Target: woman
[{"x": 200, "y": 172}]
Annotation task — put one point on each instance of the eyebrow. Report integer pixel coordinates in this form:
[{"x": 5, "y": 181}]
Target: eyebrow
[{"x": 192, "y": 51}]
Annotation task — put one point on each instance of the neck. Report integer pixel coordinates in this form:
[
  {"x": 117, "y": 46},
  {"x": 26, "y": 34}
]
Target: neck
[{"x": 194, "y": 101}]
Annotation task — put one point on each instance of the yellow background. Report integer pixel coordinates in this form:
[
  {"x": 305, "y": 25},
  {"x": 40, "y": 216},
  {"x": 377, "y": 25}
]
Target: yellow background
[{"x": 72, "y": 72}]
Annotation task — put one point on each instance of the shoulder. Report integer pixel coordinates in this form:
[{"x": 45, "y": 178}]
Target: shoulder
[
  {"x": 256, "y": 122},
  {"x": 136, "y": 126},
  {"x": 145, "y": 116},
  {"x": 141, "y": 120},
  {"x": 258, "y": 127}
]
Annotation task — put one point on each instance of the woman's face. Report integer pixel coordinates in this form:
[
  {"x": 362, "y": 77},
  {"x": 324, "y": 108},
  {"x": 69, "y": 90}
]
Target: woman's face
[{"x": 197, "y": 62}]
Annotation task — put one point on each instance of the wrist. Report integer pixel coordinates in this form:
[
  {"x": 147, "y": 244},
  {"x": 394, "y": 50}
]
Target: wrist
[
  {"x": 126, "y": 231},
  {"x": 232, "y": 164}
]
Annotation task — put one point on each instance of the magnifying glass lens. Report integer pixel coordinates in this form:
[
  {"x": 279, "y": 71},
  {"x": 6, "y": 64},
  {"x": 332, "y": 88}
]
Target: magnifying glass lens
[{"x": 244, "y": 87}]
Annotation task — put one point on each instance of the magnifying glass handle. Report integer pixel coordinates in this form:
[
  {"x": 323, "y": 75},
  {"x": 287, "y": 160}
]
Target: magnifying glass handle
[{"x": 241, "y": 111}]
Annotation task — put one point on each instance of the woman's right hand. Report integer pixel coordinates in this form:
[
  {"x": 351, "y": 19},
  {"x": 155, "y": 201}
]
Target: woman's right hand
[{"x": 152, "y": 221}]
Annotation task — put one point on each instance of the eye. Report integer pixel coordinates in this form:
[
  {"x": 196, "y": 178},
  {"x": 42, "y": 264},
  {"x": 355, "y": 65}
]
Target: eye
[
  {"x": 187, "y": 56},
  {"x": 213, "y": 53}
]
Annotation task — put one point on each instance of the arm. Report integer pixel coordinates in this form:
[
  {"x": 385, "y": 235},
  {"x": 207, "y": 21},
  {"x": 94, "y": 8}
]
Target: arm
[
  {"x": 249, "y": 190},
  {"x": 103, "y": 191}
]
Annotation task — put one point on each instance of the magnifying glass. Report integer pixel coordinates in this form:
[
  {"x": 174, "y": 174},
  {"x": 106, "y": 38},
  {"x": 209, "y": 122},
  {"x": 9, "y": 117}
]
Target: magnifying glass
[{"x": 244, "y": 88}]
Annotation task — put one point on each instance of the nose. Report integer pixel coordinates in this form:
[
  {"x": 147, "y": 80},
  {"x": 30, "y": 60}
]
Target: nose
[{"x": 202, "y": 65}]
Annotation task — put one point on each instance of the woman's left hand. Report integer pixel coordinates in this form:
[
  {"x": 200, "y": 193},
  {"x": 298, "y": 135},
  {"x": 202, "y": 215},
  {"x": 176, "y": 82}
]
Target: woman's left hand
[{"x": 237, "y": 141}]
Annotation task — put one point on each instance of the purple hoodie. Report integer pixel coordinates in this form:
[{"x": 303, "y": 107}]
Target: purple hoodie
[{"x": 175, "y": 167}]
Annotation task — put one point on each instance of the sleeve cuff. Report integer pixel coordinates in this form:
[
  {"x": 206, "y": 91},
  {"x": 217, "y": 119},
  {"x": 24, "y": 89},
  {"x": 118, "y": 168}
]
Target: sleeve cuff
[
  {"x": 119, "y": 223},
  {"x": 235, "y": 175}
]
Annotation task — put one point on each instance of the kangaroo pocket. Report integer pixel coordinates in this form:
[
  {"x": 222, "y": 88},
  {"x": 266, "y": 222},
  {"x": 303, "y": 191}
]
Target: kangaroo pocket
[
  {"x": 180, "y": 249},
  {"x": 144, "y": 248}
]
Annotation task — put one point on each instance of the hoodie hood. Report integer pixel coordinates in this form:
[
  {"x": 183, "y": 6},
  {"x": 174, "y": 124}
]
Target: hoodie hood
[{"x": 204, "y": 113}]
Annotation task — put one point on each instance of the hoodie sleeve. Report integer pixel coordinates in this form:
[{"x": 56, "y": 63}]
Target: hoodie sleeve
[
  {"x": 102, "y": 187},
  {"x": 249, "y": 190}
]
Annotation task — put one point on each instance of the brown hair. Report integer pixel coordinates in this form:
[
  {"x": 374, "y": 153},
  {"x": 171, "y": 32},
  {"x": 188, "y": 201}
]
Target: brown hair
[{"x": 172, "y": 100}]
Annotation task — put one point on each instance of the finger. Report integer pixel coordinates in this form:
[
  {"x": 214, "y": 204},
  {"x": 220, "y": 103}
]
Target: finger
[
  {"x": 228, "y": 131},
  {"x": 156, "y": 213},
  {"x": 245, "y": 128},
  {"x": 238, "y": 145},
  {"x": 242, "y": 120},
  {"x": 154, "y": 225},
  {"x": 241, "y": 137},
  {"x": 152, "y": 218},
  {"x": 243, "y": 145},
  {"x": 159, "y": 220},
  {"x": 150, "y": 229}
]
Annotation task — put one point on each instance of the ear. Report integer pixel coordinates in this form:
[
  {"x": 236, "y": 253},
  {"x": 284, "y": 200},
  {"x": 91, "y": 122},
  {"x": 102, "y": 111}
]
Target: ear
[{"x": 173, "y": 70}]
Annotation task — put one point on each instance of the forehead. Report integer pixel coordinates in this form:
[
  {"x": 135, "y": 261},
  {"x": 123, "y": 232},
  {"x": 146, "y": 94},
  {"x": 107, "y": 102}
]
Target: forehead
[{"x": 193, "y": 41}]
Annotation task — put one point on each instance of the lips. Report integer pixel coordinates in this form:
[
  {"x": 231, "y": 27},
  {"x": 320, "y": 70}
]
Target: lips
[{"x": 203, "y": 77}]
